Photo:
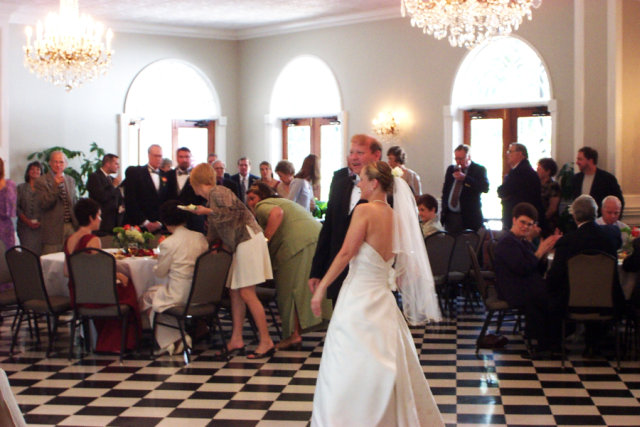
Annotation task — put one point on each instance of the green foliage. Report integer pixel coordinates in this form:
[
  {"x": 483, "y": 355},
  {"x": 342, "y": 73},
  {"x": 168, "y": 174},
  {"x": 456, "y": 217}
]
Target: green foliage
[
  {"x": 564, "y": 179},
  {"x": 87, "y": 164},
  {"x": 321, "y": 209}
]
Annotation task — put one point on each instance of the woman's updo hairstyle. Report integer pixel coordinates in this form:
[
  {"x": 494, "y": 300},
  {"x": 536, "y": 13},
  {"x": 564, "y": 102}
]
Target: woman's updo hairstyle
[{"x": 380, "y": 171}]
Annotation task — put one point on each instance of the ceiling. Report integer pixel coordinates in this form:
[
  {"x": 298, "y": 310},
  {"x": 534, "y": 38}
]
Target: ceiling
[{"x": 227, "y": 19}]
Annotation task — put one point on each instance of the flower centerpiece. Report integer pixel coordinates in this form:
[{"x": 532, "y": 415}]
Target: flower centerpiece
[
  {"x": 628, "y": 236},
  {"x": 132, "y": 240}
]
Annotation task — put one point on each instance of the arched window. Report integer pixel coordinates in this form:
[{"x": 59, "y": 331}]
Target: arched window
[
  {"x": 501, "y": 95},
  {"x": 171, "y": 103},
  {"x": 306, "y": 111}
]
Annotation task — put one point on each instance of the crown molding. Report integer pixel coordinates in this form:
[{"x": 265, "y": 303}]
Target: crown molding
[
  {"x": 319, "y": 23},
  {"x": 22, "y": 18}
]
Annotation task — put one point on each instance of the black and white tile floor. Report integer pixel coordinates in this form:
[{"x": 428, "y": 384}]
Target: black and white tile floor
[{"x": 498, "y": 388}]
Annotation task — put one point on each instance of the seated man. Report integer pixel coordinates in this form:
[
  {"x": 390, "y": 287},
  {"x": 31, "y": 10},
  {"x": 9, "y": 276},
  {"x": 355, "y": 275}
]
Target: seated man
[
  {"x": 588, "y": 236},
  {"x": 611, "y": 209},
  {"x": 428, "y": 213},
  {"x": 519, "y": 267},
  {"x": 176, "y": 261}
]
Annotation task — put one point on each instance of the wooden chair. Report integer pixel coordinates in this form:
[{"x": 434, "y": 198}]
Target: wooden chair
[
  {"x": 439, "y": 249},
  {"x": 93, "y": 274},
  {"x": 205, "y": 297},
  {"x": 31, "y": 294},
  {"x": 591, "y": 281}
]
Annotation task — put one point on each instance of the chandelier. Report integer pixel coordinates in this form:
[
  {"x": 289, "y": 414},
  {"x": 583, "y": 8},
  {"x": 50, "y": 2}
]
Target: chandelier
[
  {"x": 468, "y": 22},
  {"x": 68, "y": 50}
]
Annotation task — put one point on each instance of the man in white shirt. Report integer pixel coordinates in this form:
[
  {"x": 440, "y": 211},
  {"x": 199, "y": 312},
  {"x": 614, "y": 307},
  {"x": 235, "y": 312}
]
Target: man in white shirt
[
  {"x": 611, "y": 209},
  {"x": 244, "y": 179}
]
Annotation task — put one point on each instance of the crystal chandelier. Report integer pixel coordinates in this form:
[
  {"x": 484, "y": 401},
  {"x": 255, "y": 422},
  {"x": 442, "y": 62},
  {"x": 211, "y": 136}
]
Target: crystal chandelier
[
  {"x": 68, "y": 50},
  {"x": 468, "y": 22}
]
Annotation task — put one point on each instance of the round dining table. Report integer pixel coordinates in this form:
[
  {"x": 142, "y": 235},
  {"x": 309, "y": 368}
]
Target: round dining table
[{"x": 138, "y": 269}]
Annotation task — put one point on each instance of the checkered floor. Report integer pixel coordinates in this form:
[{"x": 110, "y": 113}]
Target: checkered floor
[{"x": 497, "y": 388}]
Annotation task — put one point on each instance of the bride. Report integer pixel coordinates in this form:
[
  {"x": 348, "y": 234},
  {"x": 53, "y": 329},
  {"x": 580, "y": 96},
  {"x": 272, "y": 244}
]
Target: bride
[{"x": 370, "y": 374}]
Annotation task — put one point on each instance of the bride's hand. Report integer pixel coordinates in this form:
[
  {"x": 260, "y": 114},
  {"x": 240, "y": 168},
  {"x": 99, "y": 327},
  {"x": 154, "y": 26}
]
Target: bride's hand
[{"x": 316, "y": 302}]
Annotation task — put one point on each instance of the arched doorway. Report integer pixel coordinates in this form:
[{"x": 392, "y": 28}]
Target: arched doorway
[
  {"x": 306, "y": 117},
  {"x": 171, "y": 103},
  {"x": 501, "y": 94}
]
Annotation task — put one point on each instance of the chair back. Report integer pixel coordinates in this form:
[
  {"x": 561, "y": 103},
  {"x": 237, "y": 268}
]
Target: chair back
[
  {"x": 439, "y": 248},
  {"x": 209, "y": 278},
  {"x": 477, "y": 271},
  {"x": 93, "y": 274},
  {"x": 26, "y": 273},
  {"x": 5, "y": 275},
  {"x": 591, "y": 280},
  {"x": 460, "y": 260}
]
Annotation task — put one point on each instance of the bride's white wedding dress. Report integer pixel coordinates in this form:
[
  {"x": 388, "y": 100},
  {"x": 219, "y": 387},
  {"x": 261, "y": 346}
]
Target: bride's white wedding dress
[{"x": 370, "y": 374}]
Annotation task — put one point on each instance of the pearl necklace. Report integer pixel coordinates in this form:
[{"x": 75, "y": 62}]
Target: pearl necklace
[{"x": 380, "y": 201}]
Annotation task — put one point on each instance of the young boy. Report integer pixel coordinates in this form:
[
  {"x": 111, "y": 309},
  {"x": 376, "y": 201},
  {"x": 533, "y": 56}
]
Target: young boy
[{"x": 428, "y": 213}]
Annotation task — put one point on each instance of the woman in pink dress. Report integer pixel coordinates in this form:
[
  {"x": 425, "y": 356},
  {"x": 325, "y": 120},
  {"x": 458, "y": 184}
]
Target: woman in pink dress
[{"x": 87, "y": 213}]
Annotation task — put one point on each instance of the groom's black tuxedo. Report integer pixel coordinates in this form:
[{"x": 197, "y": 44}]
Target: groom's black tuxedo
[
  {"x": 109, "y": 198},
  {"x": 334, "y": 230}
]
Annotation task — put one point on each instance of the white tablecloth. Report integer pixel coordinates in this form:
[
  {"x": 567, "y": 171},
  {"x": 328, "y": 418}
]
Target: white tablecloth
[{"x": 139, "y": 269}]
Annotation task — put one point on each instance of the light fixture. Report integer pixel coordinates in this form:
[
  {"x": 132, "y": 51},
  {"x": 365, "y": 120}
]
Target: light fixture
[
  {"x": 386, "y": 125},
  {"x": 68, "y": 50},
  {"x": 468, "y": 22}
]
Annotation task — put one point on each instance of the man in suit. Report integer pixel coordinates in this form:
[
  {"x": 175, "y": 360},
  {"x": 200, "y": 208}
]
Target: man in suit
[
  {"x": 146, "y": 188},
  {"x": 244, "y": 179},
  {"x": 464, "y": 183},
  {"x": 57, "y": 195},
  {"x": 594, "y": 181},
  {"x": 521, "y": 184},
  {"x": 180, "y": 184},
  {"x": 519, "y": 267},
  {"x": 222, "y": 178},
  {"x": 105, "y": 190},
  {"x": 588, "y": 236},
  {"x": 343, "y": 197}
]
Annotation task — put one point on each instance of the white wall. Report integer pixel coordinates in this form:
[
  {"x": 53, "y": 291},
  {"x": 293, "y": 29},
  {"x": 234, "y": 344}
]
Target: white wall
[{"x": 42, "y": 115}]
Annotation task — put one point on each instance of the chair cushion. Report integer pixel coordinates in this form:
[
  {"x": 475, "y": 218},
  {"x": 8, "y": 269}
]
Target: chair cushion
[
  {"x": 456, "y": 276},
  {"x": 488, "y": 275},
  {"x": 496, "y": 304},
  {"x": 195, "y": 310},
  {"x": 58, "y": 305},
  {"x": 440, "y": 279},
  {"x": 109, "y": 311},
  {"x": 590, "y": 316},
  {"x": 265, "y": 294}
]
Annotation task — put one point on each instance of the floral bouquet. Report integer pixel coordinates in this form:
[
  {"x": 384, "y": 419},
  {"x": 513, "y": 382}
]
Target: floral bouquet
[
  {"x": 133, "y": 240},
  {"x": 628, "y": 235}
]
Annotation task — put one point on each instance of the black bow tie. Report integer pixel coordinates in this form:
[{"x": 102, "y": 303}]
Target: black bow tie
[
  {"x": 152, "y": 170},
  {"x": 181, "y": 172}
]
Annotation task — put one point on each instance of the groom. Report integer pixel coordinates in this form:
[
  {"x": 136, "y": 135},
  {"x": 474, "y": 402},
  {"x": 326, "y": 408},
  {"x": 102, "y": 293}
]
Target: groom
[{"x": 343, "y": 197}]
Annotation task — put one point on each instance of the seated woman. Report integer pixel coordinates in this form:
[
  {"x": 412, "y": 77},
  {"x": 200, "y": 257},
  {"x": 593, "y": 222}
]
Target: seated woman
[
  {"x": 87, "y": 212},
  {"x": 292, "y": 234},
  {"x": 176, "y": 261},
  {"x": 231, "y": 222}
]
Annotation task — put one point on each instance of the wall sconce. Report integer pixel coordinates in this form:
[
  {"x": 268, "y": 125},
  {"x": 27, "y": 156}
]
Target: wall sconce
[{"x": 386, "y": 125}]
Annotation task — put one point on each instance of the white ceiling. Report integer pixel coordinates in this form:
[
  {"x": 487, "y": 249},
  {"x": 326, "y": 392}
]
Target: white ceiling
[{"x": 231, "y": 19}]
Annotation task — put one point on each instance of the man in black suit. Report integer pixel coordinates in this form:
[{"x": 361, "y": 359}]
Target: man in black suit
[
  {"x": 222, "y": 178},
  {"x": 594, "y": 181},
  {"x": 105, "y": 190},
  {"x": 343, "y": 197},
  {"x": 180, "y": 184},
  {"x": 464, "y": 183},
  {"x": 588, "y": 236},
  {"x": 521, "y": 184},
  {"x": 146, "y": 188},
  {"x": 244, "y": 179}
]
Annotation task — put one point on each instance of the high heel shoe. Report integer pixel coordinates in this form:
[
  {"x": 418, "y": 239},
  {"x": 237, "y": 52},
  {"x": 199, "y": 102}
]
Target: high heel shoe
[
  {"x": 254, "y": 355},
  {"x": 240, "y": 351},
  {"x": 292, "y": 346}
]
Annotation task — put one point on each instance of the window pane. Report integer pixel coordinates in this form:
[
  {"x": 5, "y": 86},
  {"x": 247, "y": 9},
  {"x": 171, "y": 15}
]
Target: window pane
[
  {"x": 298, "y": 144},
  {"x": 196, "y": 140},
  {"x": 331, "y": 157},
  {"x": 486, "y": 150},
  {"x": 535, "y": 133},
  {"x": 155, "y": 131}
]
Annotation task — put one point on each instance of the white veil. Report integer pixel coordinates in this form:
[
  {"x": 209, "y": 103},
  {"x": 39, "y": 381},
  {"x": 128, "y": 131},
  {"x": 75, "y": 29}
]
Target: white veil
[{"x": 413, "y": 271}]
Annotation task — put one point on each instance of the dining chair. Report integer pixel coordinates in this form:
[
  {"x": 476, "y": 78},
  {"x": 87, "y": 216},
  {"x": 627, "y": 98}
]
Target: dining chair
[
  {"x": 460, "y": 267},
  {"x": 8, "y": 301},
  {"x": 492, "y": 303},
  {"x": 31, "y": 294},
  {"x": 591, "y": 281},
  {"x": 95, "y": 296},
  {"x": 439, "y": 249},
  {"x": 205, "y": 297}
]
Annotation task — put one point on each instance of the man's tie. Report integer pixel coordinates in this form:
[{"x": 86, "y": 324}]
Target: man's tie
[{"x": 455, "y": 197}]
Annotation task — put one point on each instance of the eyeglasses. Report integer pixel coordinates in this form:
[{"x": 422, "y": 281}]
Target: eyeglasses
[{"x": 526, "y": 223}]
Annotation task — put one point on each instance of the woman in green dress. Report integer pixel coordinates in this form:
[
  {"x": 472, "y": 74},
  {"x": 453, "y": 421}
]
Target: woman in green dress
[{"x": 292, "y": 234}]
